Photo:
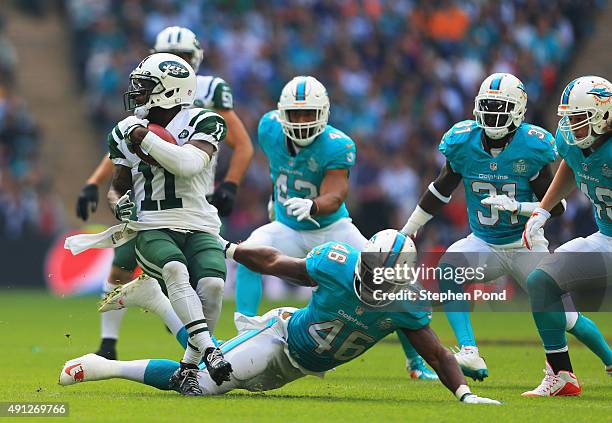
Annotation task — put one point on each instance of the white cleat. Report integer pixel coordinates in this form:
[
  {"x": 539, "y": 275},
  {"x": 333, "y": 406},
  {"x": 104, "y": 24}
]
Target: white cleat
[
  {"x": 471, "y": 363},
  {"x": 143, "y": 292},
  {"x": 562, "y": 384},
  {"x": 84, "y": 369}
]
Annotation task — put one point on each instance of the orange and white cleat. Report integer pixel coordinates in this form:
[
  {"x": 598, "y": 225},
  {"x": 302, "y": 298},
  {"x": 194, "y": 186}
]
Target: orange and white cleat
[
  {"x": 84, "y": 369},
  {"x": 562, "y": 384}
]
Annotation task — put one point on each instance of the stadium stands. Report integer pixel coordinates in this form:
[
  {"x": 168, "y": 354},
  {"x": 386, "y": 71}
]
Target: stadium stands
[
  {"x": 396, "y": 73},
  {"x": 27, "y": 204}
]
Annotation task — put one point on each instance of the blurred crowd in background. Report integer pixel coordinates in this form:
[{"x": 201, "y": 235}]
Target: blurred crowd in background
[
  {"x": 399, "y": 73},
  {"x": 27, "y": 204}
]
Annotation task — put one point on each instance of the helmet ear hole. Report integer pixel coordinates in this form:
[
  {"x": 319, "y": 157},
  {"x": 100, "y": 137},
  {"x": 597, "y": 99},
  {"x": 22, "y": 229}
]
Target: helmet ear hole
[{"x": 170, "y": 93}]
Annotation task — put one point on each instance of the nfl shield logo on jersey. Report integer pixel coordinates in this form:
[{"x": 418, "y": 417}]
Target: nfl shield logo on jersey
[
  {"x": 585, "y": 167},
  {"x": 313, "y": 166},
  {"x": 493, "y": 166},
  {"x": 519, "y": 166},
  {"x": 384, "y": 324},
  {"x": 359, "y": 311},
  {"x": 606, "y": 171}
]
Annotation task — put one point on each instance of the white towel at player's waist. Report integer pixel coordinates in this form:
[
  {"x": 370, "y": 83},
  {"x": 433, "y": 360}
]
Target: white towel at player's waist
[{"x": 113, "y": 237}]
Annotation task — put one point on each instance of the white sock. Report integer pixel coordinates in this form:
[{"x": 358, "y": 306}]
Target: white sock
[
  {"x": 163, "y": 308},
  {"x": 210, "y": 291},
  {"x": 110, "y": 322},
  {"x": 188, "y": 307},
  {"x": 131, "y": 370}
]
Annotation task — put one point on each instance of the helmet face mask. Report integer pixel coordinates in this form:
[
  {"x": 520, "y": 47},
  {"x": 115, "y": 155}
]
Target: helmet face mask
[
  {"x": 302, "y": 132},
  {"x": 385, "y": 250},
  {"x": 140, "y": 90},
  {"x": 500, "y": 106},
  {"x": 306, "y": 95},
  {"x": 585, "y": 110}
]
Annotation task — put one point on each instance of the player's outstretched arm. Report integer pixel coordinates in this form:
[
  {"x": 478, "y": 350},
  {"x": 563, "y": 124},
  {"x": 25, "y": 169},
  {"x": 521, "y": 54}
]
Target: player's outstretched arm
[
  {"x": 270, "y": 261},
  {"x": 238, "y": 139},
  {"x": 240, "y": 142},
  {"x": 103, "y": 172},
  {"x": 438, "y": 194},
  {"x": 88, "y": 197},
  {"x": 443, "y": 362}
]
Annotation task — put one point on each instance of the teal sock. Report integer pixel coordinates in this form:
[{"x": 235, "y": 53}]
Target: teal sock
[
  {"x": 248, "y": 291},
  {"x": 158, "y": 373},
  {"x": 457, "y": 311},
  {"x": 181, "y": 336},
  {"x": 587, "y": 332},
  {"x": 409, "y": 351},
  {"x": 547, "y": 309}
]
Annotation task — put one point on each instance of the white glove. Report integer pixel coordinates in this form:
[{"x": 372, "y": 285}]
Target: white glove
[
  {"x": 534, "y": 226},
  {"x": 271, "y": 213},
  {"x": 128, "y": 125},
  {"x": 123, "y": 208},
  {"x": 501, "y": 203},
  {"x": 475, "y": 399},
  {"x": 300, "y": 207}
]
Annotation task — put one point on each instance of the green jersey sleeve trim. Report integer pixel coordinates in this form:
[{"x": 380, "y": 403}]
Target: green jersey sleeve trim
[
  {"x": 209, "y": 126},
  {"x": 113, "y": 144}
]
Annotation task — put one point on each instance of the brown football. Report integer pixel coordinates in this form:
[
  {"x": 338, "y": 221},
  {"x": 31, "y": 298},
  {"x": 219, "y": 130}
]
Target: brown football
[{"x": 161, "y": 132}]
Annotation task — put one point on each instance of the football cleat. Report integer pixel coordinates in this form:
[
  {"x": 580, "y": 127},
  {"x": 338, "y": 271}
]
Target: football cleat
[
  {"x": 609, "y": 370},
  {"x": 419, "y": 370},
  {"x": 562, "y": 384},
  {"x": 143, "y": 292},
  {"x": 218, "y": 368},
  {"x": 84, "y": 369},
  {"x": 471, "y": 363},
  {"x": 185, "y": 380}
]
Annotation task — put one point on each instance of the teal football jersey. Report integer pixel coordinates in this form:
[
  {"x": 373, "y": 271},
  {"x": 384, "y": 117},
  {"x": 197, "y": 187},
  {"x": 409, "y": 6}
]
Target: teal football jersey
[
  {"x": 301, "y": 175},
  {"x": 593, "y": 175},
  {"x": 336, "y": 327},
  {"x": 509, "y": 173}
]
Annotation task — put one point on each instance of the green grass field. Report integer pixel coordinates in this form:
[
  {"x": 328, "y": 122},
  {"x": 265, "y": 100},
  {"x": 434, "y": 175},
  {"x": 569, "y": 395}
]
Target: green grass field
[{"x": 40, "y": 332}]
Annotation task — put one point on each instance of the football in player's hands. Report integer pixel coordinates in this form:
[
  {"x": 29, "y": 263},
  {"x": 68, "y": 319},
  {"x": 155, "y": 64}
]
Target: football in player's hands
[{"x": 161, "y": 132}]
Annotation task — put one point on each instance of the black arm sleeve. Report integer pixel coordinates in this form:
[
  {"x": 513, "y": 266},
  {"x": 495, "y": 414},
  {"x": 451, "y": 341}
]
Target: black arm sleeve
[
  {"x": 445, "y": 183},
  {"x": 540, "y": 185}
]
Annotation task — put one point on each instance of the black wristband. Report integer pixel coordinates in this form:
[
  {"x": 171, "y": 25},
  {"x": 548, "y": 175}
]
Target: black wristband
[
  {"x": 464, "y": 396},
  {"x": 314, "y": 209},
  {"x": 229, "y": 186}
]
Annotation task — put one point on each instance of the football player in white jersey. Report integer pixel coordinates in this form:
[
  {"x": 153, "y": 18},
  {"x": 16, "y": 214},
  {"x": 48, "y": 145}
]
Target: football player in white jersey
[
  {"x": 178, "y": 233},
  {"x": 211, "y": 93}
]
